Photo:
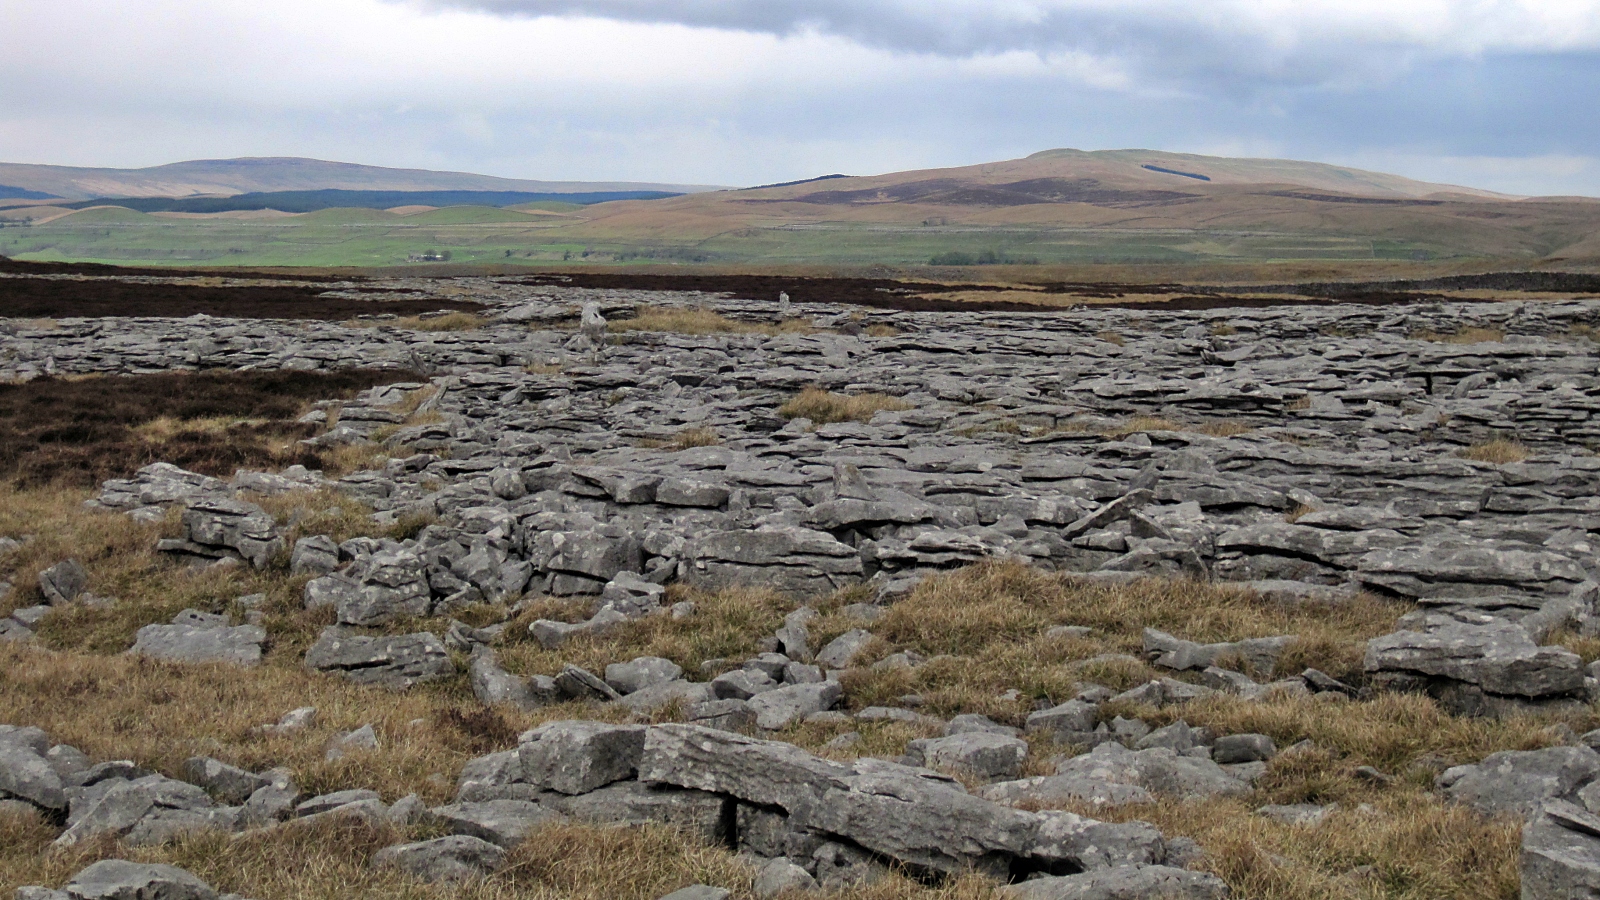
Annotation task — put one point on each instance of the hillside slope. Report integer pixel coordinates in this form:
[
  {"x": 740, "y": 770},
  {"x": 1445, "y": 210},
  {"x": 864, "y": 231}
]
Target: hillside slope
[
  {"x": 238, "y": 176},
  {"x": 1133, "y": 192}
]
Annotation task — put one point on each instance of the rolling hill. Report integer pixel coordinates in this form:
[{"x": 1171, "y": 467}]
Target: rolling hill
[
  {"x": 226, "y": 177},
  {"x": 1064, "y": 207},
  {"x": 1192, "y": 206}
]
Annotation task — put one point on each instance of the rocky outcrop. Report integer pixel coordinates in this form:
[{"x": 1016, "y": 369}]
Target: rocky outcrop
[
  {"x": 393, "y": 661},
  {"x": 823, "y": 817},
  {"x": 1482, "y": 667},
  {"x": 215, "y": 529}
]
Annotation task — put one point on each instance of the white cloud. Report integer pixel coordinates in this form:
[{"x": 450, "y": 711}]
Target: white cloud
[{"x": 740, "y": 92}]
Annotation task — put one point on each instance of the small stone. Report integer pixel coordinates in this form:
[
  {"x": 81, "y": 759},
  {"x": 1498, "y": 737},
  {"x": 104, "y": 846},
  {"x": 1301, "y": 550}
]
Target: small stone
[
  {"x": 1243, "y": 748},
  {"x": 454, "y": 858},
  {"x": 781, "y": 876}
]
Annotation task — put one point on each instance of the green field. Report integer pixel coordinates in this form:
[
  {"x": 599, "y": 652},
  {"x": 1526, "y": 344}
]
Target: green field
[{"x": 362, "y": 237}]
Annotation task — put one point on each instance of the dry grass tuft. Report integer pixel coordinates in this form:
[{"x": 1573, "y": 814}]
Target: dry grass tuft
[
  {"x": 332, "y": 861},
  {"x": 823, "y": 407},
  {"x": 701, "y": 320},
  {"x": 687, "y": 439},
  {"x": 1500, "y": 452},
  {"x": 1294, "y": 515},
  {"x": 1141, "y": 424},
  {"x": 1111, "y": 337},
  {"x": 696, "y": 437},
  {"x": 1222, "y": 429},
  {"x": 989, "y": 622},
  {"x": 1408, "y": 846},
  {"x": 880, "y": 331},
  {"x": 454, "y": 321},
  {"x": 1463, "y": 336}
]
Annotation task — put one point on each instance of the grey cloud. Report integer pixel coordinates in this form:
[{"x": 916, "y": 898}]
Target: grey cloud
[{"x": 1165, "y": 46}]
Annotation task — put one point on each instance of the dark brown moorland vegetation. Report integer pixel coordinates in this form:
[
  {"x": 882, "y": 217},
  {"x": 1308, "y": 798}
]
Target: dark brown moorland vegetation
[
  {"x": 81, "y": 431},
  {"x": 36, "y": 291}
]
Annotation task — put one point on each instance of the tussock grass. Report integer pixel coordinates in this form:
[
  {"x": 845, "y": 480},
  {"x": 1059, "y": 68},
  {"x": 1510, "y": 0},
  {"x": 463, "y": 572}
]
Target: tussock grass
[
  {"x": 1394, "y": 733},
  {"x": 120, "y": 557},
  {"x": 823, "y": 407},
  {"x": 332, "y": 861},
  {"x": 725, "y": 626},
  {"x": 1294, "y": 515},
  {"x": 1111, "y": 337},
  {"x": 989, "y": 622},
  {"x": 1417, "y": 847},
  {"x": 453, "y": 321},
  {"x": 1142, "y": 424},
  {"x": 1462, "y": 336},
  {"x": 686, "y": 439},
  {"x": 702, "y": 320},
  {"x": 983, "y": 629},
  {"x": 1499, "y": 451},
  {"x": 998, "y": 426},
  {"x": 880, "y": 331},
  {"x": 696, "y": 437}
]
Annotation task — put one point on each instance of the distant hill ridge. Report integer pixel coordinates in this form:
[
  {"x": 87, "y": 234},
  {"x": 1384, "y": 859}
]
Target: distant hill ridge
[
  {"x": 312, "y": 201},
  {"x": 228, "y": 177}
]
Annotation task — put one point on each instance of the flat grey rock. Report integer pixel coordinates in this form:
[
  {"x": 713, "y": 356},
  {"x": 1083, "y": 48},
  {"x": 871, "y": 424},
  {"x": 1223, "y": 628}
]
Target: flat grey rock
[
  {"x": 116, "y": 879},
  {"x": 1518, "y": 781},
  {"x": 1123, "y": 883},
  {"x": 396, "y": 662},
  {"x": 502, "y": 822},
  {"x": 446, "y": 859},
  {"x": 240, "y": 645}
]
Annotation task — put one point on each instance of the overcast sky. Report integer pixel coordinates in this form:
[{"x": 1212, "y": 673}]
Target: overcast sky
[{"x": 1498, "y": 94}]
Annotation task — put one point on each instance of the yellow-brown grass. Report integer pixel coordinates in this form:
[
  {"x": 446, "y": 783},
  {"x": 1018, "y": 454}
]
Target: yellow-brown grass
[
  {"x": 1111, "y": 337},
  {"x": 1300, "y": 509},
  {"x": 686, "y": 439},
  {"x": 701, "y": 320},
  {"x": 1462, "y": 336},
  {"x": 1499, "y": 451},
  {"x": 332, "y": 861},
  {"x": 983, "y": 627},
  {"x": 455, "y": 321},
  {"x": 1141, "y": 424},
  {"x": 1408, "y": 846},
  {"x": 990, "y": 622},
  {"x": 823, "y": 407}
]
